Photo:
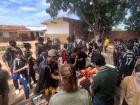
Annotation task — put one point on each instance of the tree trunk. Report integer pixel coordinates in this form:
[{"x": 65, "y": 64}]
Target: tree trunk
[{"x": 96, "y": 26}]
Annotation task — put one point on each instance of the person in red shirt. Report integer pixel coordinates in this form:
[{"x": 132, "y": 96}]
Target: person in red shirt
[{"x": 63, "y": 53}]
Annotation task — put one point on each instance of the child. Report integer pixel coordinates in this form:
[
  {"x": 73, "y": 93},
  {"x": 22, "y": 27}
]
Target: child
[
  {"x": 30, "y": 61},
  {"x": 63, "y": 54},
  {"x": 20, "y": 72}
]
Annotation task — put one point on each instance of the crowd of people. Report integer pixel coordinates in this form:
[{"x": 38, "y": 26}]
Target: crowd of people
[{"x": 54, "y": 71}]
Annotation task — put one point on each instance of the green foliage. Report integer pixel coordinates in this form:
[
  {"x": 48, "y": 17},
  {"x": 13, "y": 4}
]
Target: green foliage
[
  {"x": 133, "y": 21},
  {"x": 109, "y": 12}
]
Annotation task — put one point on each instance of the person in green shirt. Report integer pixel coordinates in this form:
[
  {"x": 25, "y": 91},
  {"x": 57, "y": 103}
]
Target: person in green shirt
[{"x": 104, "y": 83}]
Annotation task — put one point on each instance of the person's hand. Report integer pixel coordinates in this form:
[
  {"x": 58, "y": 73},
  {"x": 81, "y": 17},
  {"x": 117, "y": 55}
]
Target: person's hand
[
  {"x": 76, "y": 57},
  {"x": 80, "y": 59},
  {"x": 26, "y": 66}
]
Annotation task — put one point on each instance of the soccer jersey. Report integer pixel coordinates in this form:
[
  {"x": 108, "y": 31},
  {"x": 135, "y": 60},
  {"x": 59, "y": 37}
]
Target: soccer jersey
[
  {"x": 127, "y": 62},
  {"x": 136, "y": 50},
  {"x": 120, "y": 47}
]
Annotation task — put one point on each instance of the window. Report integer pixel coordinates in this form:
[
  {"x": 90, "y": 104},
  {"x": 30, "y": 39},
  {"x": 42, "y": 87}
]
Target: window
[
  {"x": 41, "y": 34},
  {"x": 1, "y": 34}
]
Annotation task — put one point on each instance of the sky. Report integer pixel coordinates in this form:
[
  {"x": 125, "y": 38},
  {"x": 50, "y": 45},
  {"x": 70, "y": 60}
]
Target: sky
[{"x": 25, "y": 12}]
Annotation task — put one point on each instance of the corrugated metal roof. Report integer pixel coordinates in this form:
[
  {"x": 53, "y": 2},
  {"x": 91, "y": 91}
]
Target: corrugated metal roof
[
  {"x": 55, "y": 20},
  {"x": 12, "y": 28}
]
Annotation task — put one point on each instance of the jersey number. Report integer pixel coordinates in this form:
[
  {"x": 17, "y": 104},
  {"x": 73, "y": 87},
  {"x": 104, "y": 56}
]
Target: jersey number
[{"x": 128, "y": 61}]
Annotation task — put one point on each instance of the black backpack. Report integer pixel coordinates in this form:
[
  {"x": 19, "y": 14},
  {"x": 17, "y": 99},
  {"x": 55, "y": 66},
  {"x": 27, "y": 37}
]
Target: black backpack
[{"x": 8, "y": 56}]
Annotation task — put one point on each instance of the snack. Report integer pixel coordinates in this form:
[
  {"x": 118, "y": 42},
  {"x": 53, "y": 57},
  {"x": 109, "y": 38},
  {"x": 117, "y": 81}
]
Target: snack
[{"x": 88, "y": 72}]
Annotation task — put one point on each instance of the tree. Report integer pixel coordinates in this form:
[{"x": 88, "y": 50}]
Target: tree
[
  {"x": 96, "y": 15},
  {"x": 133, "y": 20}
]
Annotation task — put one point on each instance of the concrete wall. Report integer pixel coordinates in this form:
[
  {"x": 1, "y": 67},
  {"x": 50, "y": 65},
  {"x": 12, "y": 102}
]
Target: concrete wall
[
  {"x": 58, "y": 28},
  {"x": 125, "y": 35},
  {"x": 62, "y": 37},
  {"x": 13, "y": 35},
  {"x": 6, "y": 34},
  {"x": 75, "y": 28}
]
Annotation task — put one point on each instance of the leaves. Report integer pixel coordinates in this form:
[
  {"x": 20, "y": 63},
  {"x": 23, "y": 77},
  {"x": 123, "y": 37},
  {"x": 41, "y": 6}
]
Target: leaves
[
  {"x": 107, "y": 12},
  {"x": 133, "y": 20}
]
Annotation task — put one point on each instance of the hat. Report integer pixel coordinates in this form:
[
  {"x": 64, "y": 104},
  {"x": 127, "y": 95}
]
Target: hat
[{"x": 52, "y": 53}]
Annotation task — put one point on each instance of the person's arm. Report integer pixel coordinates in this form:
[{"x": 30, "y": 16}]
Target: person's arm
[
  {"x": 56, "y": 77},
  {"x": 123, "y": 91},
  {"x": 7, "y": 66},
  {"x": 21, "y": 69},
  {"x": 95, "y": 84},
  {"x": 76, "y": 59}
]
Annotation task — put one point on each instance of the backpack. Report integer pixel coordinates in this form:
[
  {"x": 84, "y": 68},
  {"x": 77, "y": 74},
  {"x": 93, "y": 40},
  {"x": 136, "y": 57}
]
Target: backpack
[
  {"x": 8, "y": 56},
  {"x": 40, "y": 48},
  {"x": 38, "y": 61}
]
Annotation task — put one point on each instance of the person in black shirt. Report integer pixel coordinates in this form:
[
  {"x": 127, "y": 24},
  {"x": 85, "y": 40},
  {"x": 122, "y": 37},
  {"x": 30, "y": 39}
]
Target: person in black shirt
[
  {"x": 120, "y": 46},
  {"x": 20, "y": 72},
  {"x": 49, "y": 44},
  {"x": 70, "y": 46},
  {"x": 127, "y": 61},
  {"x": 48, "y": 75},
  {"x": 82, "y": 59},
  {"x": 136, "y": 48},
  {"x": 73, "y": 58},
  {"x": 30, "y": 61},
  {"x": 117, "y": 52},
  {"x": 8, "y": 58},
  {"x": 4, "y": 86},
  {"x": 136, "y": 43},
  {"x": 40, "y": 46}
]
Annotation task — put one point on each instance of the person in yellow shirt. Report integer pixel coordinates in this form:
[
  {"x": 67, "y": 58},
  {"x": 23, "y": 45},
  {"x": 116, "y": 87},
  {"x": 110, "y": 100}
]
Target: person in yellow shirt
[
  {"x": 106, "y": 43},
  {"x": 130, "y": 88}
]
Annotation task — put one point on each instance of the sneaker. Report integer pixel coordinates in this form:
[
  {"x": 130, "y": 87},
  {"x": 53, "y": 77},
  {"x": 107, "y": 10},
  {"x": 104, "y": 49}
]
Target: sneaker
[{"x": 17, "y": 92}]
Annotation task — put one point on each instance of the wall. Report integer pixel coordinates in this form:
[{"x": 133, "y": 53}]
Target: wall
[
  {"x": 125, "y": 35},
  {"x": 58, "y": 28},
  {"x": 75, "y": 28},
  {"x": 6, "y": 34},
  {"x": 62, "y": 37}
]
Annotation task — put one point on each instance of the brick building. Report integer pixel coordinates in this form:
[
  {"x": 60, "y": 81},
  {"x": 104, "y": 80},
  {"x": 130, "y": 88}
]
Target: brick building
[
  {"x": 19, "y": 33},
  {"x": 62, "y": 28}
]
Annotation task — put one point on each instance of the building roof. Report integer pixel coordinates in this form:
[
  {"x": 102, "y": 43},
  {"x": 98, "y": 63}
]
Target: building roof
[
  {"x": 60, "y": 19},
  {"x": 34, "y": 28},
  {"x": 13, "y": 28}
]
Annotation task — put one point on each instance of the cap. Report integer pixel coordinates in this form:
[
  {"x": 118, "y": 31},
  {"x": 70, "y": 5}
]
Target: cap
[{"x": 52, "y": 53}]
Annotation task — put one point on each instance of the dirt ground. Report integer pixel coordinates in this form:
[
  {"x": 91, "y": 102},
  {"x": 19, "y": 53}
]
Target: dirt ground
[{"x": 13, "y": 98}]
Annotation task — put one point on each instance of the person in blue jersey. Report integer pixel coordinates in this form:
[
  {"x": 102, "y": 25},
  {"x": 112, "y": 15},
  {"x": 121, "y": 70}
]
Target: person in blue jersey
[
  {"x": 121, "y": 46},
  {"x": 137, "y": 47},
  {"x": 127, "y": 61},
  {"x": 20, "y": 72},
  {"x": 119, "y": 49}
]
